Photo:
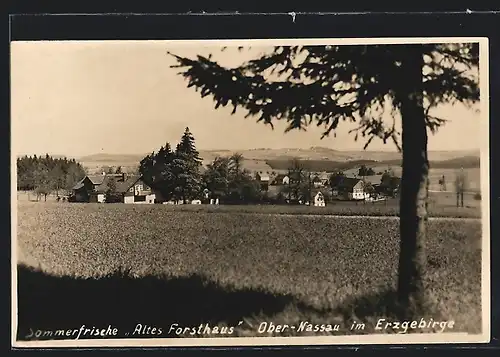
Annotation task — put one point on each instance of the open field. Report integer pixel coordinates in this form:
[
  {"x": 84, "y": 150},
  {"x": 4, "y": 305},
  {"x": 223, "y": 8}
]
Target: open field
[
  {"x": 122, "y": 264},
  {"x": 472, "y": 174},
  {"x": 473, "y": 178},
  {"x": 441, "y": 204}
]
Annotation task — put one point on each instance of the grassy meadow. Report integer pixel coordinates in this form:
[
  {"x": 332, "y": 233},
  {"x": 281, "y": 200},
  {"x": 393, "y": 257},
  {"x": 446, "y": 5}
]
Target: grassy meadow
[
  {"x": 122, "y": 264},
  {"x": 440, "y": 204}
]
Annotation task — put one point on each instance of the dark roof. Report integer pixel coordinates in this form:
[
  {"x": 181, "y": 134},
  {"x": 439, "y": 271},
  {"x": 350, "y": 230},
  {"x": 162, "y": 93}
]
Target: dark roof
[
  {"x": 122, "y": 186},
  {"x": 79, "y": 184},
  {"x": 314, "y": 192},
  {"x": 373, "y": 179},
  {"x": 96, "y": 179},
  {"x": 345, "y": 182}
]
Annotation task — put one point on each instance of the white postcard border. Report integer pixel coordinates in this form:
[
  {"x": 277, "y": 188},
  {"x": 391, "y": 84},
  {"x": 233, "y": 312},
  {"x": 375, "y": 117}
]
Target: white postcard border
[{"x": 373, "y": 339}]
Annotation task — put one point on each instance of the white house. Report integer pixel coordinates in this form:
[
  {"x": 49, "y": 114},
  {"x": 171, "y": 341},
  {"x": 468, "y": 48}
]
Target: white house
[
  {"x": 319, "y": 200},
  {"x": 351, "y": 188},
  {"x": 130, "y": 189},
  {"x": 358, "y": 191}
]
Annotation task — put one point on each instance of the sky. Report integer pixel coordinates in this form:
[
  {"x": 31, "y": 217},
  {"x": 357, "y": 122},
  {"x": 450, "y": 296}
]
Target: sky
[{"x": 78, "y": 98}]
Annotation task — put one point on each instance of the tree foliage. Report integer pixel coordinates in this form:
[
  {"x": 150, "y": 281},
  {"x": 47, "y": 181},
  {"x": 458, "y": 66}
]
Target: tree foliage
[
  {"x": 461, "y": 184},
  {"x": 300, "y": 181},
  {"x": 112, "y": 195},
  {"x": 45, "y": 174},
  {"x": 226, "y": 179},
  {"x": 365, "y": 171},
  {"x": 186, "y": 168},
  {"x": 390, "y": 183},
  {"x": 175, "y": 174},
  {"x": 216, "y": 177},
  {"x": 325, "y": 85}
]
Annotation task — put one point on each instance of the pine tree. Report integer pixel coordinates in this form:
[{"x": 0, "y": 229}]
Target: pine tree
[
  {"x": 331, "y": 84},
  {"x": 186, "y": 168}
]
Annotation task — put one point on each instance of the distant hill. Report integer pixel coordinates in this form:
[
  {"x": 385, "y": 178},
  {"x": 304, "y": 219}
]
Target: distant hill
[
  {"x": 465, "y": 162},
  {"x": 317, "y": 158},
  {"x": 111, "y": 158}
]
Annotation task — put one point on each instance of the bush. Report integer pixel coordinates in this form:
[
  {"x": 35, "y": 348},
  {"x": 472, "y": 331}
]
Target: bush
[
  {"x": 113, "y": 197},
  {"x": 477, "y": 196}
]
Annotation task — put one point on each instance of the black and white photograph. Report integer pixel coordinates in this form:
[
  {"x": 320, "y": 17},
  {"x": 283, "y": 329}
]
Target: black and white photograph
[{"x": 250, "y": 192}]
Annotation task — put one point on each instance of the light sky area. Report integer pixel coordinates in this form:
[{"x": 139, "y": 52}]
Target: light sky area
[{"x": 121, "y": 97}]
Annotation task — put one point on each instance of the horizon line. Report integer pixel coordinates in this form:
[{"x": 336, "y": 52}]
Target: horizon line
[{"x": 241, "y": 149}]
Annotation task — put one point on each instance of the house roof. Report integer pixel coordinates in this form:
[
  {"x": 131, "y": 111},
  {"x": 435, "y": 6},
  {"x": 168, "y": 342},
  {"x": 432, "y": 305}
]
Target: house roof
[
  {"x": 373, "y": 179},
  {"x": 96, "y": 179},
  {"x": 122, "y": 186},
  {"x": 79, "y": 184},
  {"x": 345, "y": 182}
]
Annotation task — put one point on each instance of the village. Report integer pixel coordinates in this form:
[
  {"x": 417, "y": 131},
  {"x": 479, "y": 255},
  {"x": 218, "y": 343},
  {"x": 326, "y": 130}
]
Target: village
[{"x": 314, "y": 189}]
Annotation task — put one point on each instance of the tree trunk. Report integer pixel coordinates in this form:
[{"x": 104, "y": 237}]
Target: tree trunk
[
  {"x": 458, "y": 199},
  {"x": 414, "y": 186},
  {"x": 462, "y": 198}
]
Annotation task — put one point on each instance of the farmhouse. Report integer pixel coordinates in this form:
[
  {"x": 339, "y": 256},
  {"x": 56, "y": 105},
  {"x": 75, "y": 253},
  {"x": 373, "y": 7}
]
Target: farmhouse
[
  {"x": 264, "y": 182},
  {"x": 349, "y": 188},
  {"x": 129, "y": 189},
  {"x": 82, "y": 189},
  {"x": 317, "y": 182},
  {"x": 319, "y": 199}
]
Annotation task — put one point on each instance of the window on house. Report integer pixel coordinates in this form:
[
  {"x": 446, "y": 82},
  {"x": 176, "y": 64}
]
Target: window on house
[{"x": 131, "y": 189}]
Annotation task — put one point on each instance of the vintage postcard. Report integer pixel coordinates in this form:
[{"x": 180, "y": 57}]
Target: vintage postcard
[{"x": 250, "y": 192}]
